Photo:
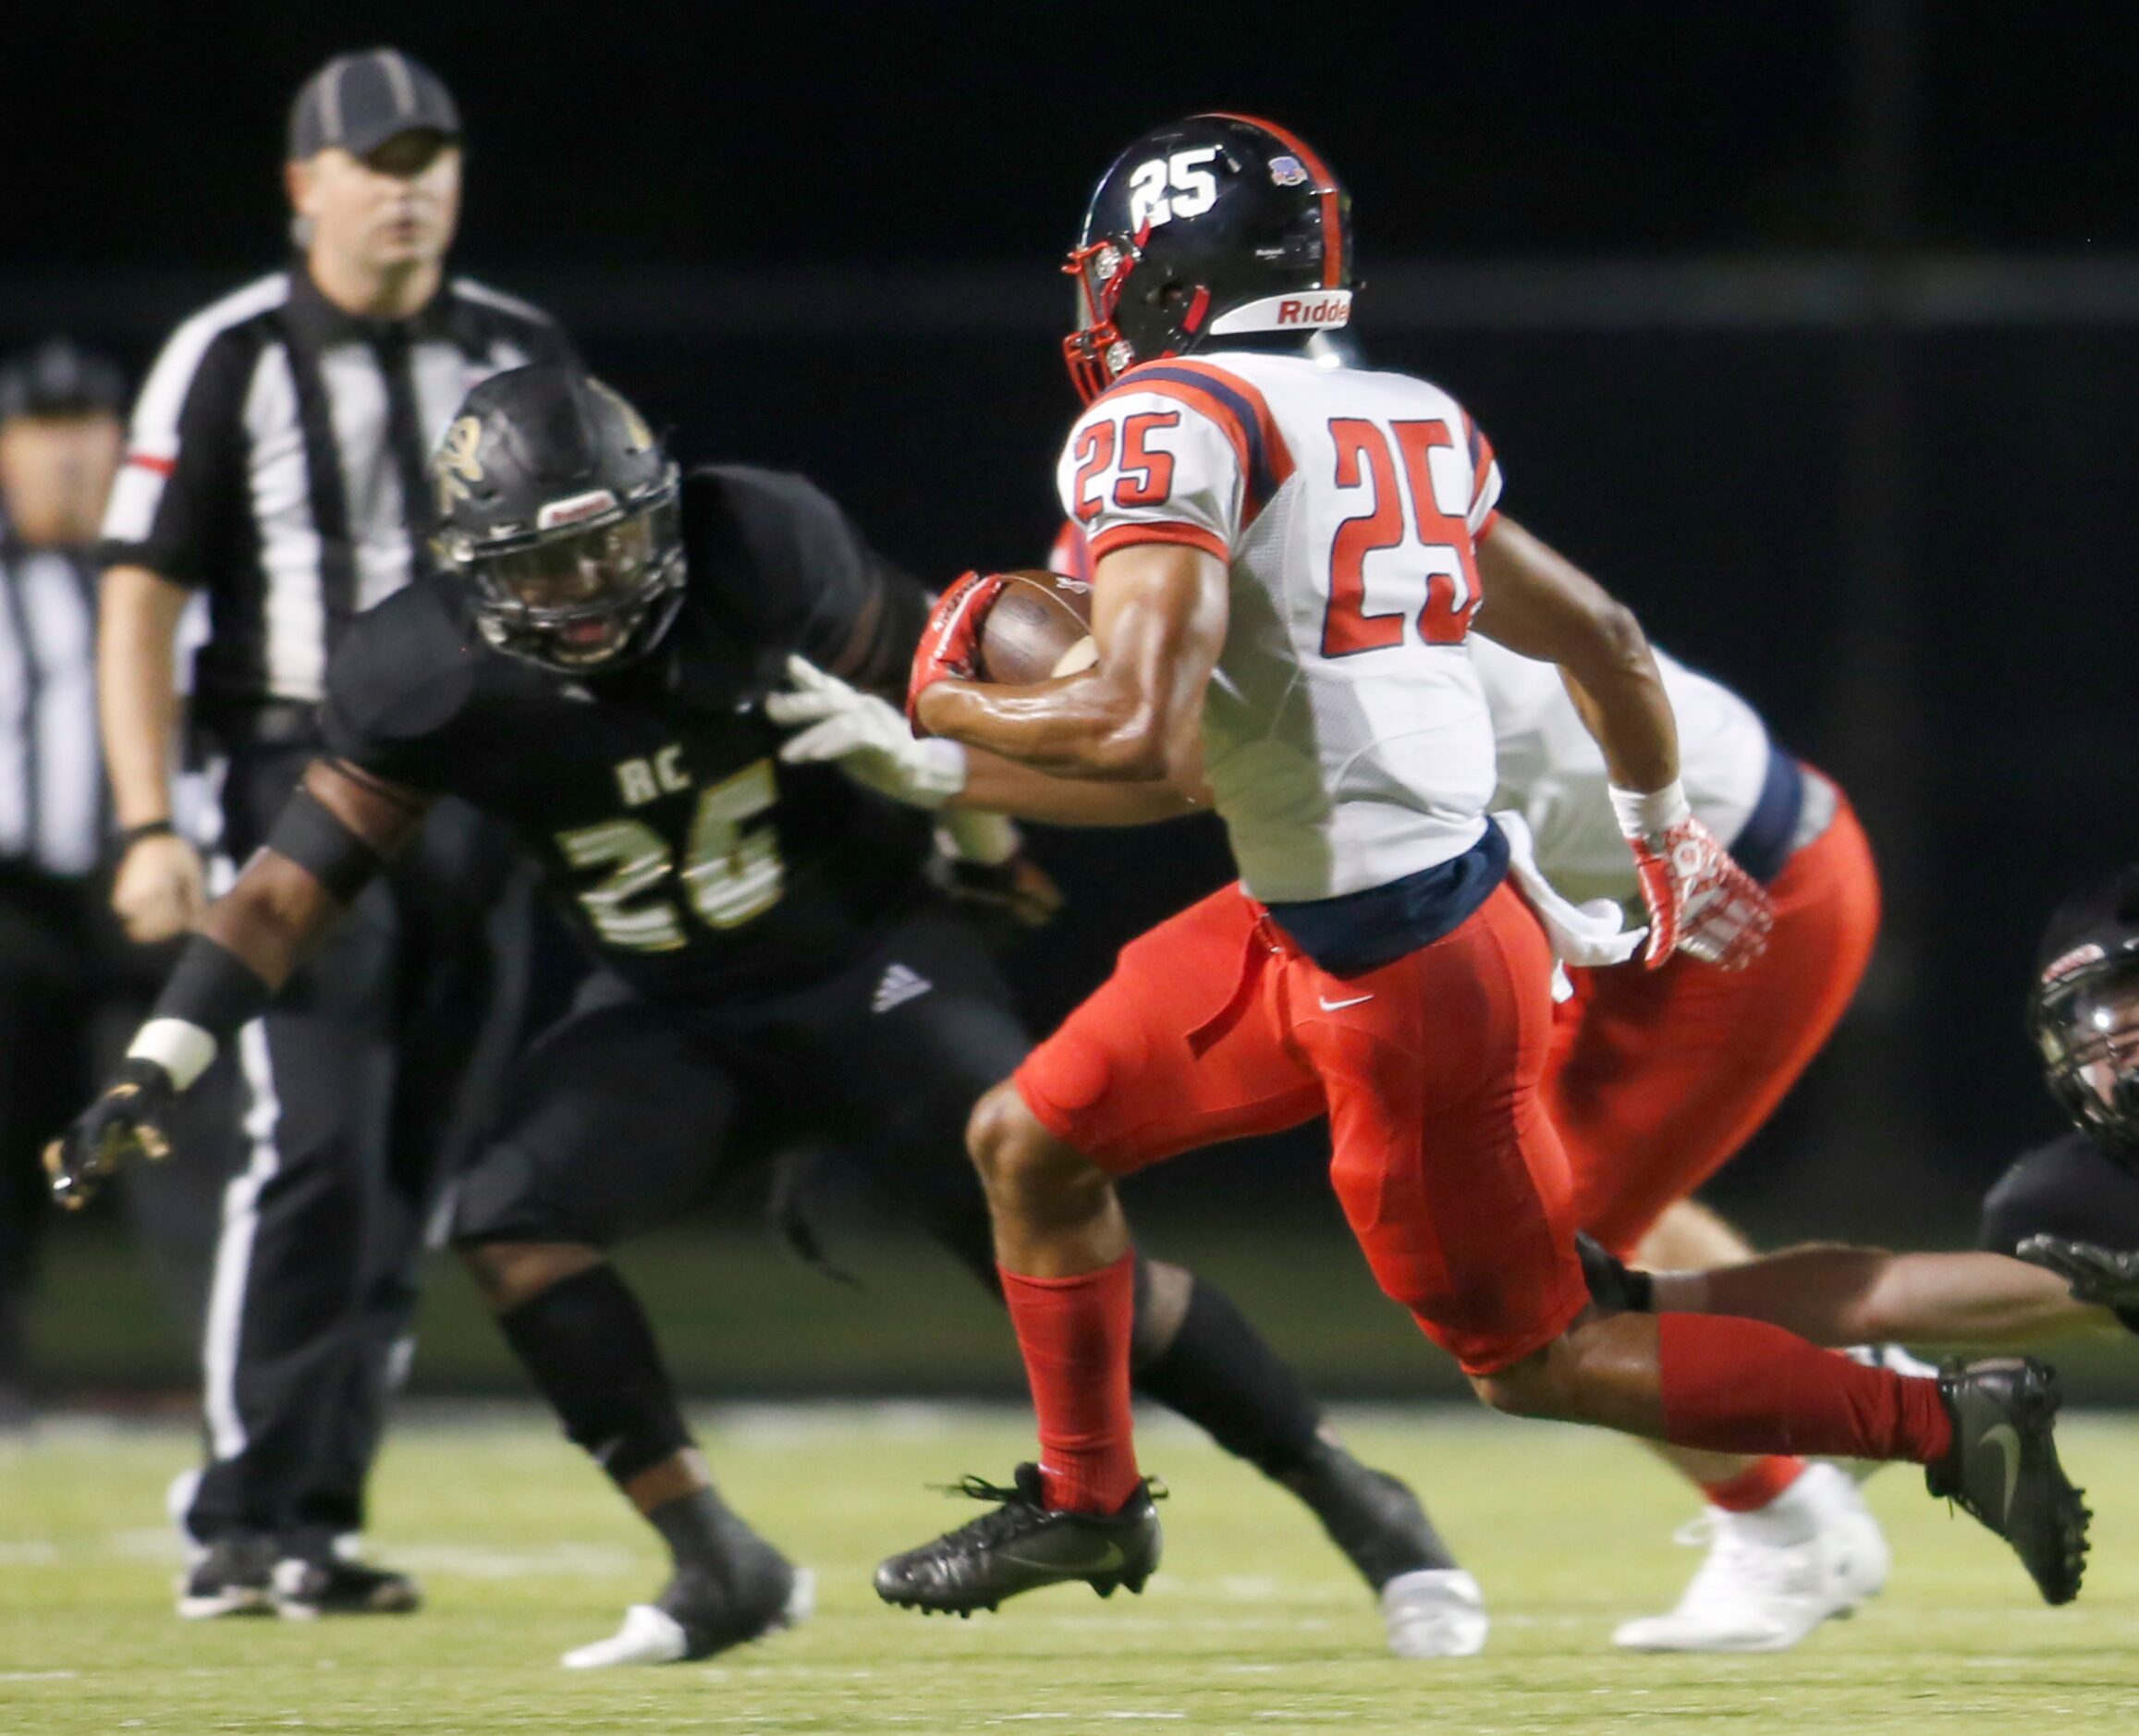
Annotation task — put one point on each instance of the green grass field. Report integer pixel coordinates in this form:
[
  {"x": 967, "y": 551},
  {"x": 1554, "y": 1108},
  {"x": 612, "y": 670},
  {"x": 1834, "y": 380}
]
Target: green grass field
[{"x": 1255, "y": 1625}]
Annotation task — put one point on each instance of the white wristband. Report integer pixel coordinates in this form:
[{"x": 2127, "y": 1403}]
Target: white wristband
[
  {"x": 1650, "y": 813},
  {"x": 972, "y": 835},
  {"x": 177, "y": 1046}
]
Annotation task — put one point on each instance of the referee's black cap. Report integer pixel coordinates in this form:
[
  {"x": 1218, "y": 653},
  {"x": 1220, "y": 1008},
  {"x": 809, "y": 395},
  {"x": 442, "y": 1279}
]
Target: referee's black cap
[
  {"x": 60, "y": 378},
  {"x": 360, "y": 100}
]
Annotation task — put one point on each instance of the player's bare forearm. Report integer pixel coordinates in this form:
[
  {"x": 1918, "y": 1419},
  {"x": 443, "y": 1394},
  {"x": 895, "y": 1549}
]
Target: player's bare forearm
[
  {"x": 996, "y": 785},
  {"x": 137, "y": 622},
  {"x": 297, "y": 887},
  {"x": 1158, "y": 619},
  {"x": 1541, "y": 605},
  {"x": 1838, "y": 1295},
  {"x": 272, "y": 917}
]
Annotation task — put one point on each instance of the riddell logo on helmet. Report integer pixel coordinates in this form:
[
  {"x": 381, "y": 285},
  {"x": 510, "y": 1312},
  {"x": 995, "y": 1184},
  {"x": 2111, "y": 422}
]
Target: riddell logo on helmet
[
  {"x": 1318, "y": 310},
  {"x": 575, "y": 509},
  {"x": 2065, "y": 963},
  {"x": 1322, "y": 311}
]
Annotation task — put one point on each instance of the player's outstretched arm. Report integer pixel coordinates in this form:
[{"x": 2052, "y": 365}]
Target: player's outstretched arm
[
  {"x": 332, "y": 837},
  {"x": 1838, "y": 1296},
  {"x": 1536, "y": 602},
  {"x": 1158, "y": 621}
]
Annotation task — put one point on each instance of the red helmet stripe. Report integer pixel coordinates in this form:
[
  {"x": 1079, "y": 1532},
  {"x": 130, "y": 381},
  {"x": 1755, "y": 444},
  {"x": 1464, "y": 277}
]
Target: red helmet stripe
[{"x": 1326, "y": 184}]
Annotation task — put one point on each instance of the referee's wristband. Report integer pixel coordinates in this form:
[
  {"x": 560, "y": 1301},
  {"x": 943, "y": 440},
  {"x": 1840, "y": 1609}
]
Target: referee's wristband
[{"x": 133, "y": 834}]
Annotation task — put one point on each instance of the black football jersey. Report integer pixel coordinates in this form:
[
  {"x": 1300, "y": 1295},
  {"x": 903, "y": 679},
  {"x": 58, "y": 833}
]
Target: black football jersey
[{"x": 693, "y": 860}]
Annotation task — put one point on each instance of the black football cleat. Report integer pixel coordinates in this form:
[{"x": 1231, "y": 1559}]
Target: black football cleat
[
  {"x": 235, "y": 1576},
  {"x": 1023, "y": 1546},
  {"x": 306, "y": 1588},
  {"x": 1373, "y": 1517},
  {"x": 2003, "y": 1470}
]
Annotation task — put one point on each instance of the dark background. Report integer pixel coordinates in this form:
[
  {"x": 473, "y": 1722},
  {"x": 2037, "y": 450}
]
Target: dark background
[{"x": 1812, "y": 328}]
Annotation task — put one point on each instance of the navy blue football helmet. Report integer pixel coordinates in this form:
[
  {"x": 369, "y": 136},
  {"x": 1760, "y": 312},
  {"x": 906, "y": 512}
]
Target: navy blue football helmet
[{"x": 1216, "y": 226}]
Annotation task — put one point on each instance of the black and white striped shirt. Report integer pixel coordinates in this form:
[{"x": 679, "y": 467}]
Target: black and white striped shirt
[
  {"x": 51, "y": 777},
  {"x": 276, "y": 459}
]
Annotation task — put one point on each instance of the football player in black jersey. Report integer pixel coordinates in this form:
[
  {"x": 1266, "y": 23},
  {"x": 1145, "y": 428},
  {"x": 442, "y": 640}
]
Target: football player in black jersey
[
  {"x": 597, "y": 667},
  {"x": 2068, "y": 1209}
]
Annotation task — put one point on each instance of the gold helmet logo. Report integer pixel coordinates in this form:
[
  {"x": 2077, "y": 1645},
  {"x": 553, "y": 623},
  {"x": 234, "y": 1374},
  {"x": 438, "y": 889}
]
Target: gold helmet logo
[
  {"x": 457, "y": 464},
  {"x": 634, "y": 424}
]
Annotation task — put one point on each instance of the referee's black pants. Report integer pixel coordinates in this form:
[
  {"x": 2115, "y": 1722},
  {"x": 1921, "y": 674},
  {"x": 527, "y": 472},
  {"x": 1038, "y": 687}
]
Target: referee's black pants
[{"x": 358, "y": 1090}]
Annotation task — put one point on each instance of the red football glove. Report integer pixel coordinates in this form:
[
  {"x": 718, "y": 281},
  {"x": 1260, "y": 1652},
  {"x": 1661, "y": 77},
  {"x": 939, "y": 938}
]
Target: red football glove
[
  {"x": 1701, "y": 902},
  {"x": 951, "y": 639}
]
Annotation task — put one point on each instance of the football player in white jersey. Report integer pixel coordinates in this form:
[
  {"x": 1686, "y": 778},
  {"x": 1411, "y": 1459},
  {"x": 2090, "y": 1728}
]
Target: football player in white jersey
[
  {"x": 1657, "y": 1078},
  {"x": 1287, "y": 561}
]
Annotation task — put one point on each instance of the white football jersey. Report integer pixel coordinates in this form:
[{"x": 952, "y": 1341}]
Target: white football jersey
[
  {"x": 1345, "y": 734},
  {"x": 1552, "y": 772}
]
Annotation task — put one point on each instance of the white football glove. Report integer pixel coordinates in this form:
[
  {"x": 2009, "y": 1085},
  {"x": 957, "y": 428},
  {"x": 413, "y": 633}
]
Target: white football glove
[{"x": 866, "y": 737}]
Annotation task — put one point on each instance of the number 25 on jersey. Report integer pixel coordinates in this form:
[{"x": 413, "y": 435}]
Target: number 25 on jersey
[{"x": 1434, "y": 542}]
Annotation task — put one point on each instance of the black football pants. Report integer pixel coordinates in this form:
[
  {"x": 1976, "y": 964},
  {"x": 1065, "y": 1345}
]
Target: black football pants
[{"x": 628, "y": 1108}]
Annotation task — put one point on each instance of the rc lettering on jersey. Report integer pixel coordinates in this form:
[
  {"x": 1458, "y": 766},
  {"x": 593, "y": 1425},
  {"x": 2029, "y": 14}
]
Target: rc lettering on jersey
[{"x": 640, "y": 781}]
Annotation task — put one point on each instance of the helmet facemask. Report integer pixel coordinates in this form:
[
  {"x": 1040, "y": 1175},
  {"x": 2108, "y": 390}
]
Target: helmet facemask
[
  {"x": 586, "y": 594},
  {"x": 2085, "y": 1023}
]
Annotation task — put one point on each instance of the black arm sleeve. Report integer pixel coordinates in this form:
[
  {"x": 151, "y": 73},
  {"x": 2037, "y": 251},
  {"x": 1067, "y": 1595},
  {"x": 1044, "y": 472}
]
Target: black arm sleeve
[{"x": 315, "y": 837}]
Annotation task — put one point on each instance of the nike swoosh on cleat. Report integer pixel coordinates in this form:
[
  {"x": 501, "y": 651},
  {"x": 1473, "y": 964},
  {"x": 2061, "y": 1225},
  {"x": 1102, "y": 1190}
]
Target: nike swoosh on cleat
[
  {"x": 1108, "y": 1558},
  {"x": 1332, "y": 1005},
  {"x": 2006, "y": 1439}
]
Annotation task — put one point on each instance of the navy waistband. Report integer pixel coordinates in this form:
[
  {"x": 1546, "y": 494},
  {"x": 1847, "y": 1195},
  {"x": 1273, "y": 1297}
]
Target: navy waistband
[
  {"x": 1362, "y": 931},
  {"x": 1764, "y": 842}
]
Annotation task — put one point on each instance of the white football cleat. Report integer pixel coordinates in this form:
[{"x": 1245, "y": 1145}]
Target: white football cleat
[
  {"x": 647, "y": 1636},
  {"x": 1812, "y": 1554},
  {"x": 1436, "y": 1612},
  {"x": 650, "y": 1635}
]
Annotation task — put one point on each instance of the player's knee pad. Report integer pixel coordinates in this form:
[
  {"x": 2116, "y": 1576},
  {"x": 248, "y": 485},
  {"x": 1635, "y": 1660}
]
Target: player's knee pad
[{"x": 502, "y": 1198}]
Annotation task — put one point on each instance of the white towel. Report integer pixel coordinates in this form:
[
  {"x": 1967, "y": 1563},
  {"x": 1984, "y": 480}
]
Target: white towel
[{"x": 1590, "y": 933}]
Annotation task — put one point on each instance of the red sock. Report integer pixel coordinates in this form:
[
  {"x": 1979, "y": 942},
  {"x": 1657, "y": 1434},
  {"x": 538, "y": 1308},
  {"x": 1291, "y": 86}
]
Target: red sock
[
  {"x": 1744, "y": 1386},
  {"x": 1754, "y": 1486},
  {"x": 1074, "y": 1335}
]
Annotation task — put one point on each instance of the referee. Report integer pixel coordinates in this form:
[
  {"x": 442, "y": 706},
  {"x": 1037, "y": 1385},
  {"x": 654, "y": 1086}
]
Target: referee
[
  {"x": 60, "y": 431},
  {"x": 276, "y": 460}
]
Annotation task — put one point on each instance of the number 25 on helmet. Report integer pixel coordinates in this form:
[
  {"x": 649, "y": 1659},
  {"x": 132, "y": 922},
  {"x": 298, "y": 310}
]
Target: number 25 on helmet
[{"x": 1215, "y": 227}]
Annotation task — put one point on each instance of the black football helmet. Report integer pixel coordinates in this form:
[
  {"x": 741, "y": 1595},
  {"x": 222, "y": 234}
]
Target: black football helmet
[
  {"x": 558, "y": 506},
  {"x": 2083, "y": 1011},
  {"x": 1216, "y": 227}
]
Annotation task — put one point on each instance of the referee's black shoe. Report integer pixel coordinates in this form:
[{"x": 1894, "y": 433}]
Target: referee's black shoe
[
  {"x": 324, "y": 1584},
  {"x": 234, "y": 1576},
  {"x": 1022, "y": 1546},
  {"x": 2002, "y": 1468}
]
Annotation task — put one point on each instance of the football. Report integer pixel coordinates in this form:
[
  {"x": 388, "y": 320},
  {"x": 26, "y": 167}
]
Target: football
[{"x": 1039, "y": 627}]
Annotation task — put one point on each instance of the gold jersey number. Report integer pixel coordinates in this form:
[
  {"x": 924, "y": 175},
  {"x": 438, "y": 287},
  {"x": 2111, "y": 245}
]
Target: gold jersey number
[{"x": 732, "y": 872}]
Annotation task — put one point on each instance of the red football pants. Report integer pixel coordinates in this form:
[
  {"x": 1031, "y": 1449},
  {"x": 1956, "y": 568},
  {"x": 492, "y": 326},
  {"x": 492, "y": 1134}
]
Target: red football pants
[
  {"x": 1658, "y": 1077},
  {"x": 1215, "y": 1026}
]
